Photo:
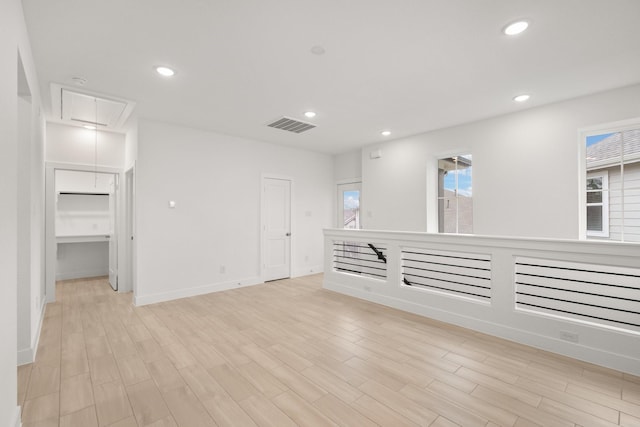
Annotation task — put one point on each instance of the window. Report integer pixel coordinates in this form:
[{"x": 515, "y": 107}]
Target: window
[
  {"x": 612, "y": 200},
  {"x": 351, "y": 209},
  {"x": 598, "y": 204},
  {"x": 455, "y": 201},
  {"x": 349, "y": 205}
]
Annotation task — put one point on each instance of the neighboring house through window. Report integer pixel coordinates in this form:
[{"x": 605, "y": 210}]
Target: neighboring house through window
[
  {"x": 613, "y": 185},
  {"x": 598, "y": 204}
]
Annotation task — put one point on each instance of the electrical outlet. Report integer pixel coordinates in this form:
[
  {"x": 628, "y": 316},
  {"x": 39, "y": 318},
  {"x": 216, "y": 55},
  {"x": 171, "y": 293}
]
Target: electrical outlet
[
  {"x": 367, "y": 288},
  {"x": 569, "y": 336},
  {"x": 223, "y": 269}
]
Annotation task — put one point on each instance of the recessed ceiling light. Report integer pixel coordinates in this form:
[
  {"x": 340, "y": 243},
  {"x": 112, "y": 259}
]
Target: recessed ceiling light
[
  {"x": 89, "y": 127},
  {"x": 385, "y": 133},
  {"x": 515, "y": 28},
  {"x": 309, "y": 114},
  {"x": 165, "y": 71},
  {"x": 522, "y": 98}
]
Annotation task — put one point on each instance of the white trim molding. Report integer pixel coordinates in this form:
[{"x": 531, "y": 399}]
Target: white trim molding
[
  {"x": 140, "y": 300},
  {"x": 28, "y": 355},
  {"x": 17, "y": 418}
]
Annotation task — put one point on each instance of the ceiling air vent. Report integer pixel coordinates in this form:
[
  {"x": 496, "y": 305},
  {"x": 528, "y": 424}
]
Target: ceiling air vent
[{"x": 291, "y": 125}]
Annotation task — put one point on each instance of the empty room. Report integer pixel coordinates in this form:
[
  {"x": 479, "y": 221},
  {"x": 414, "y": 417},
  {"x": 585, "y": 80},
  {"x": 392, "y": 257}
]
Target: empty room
[{"x": 280, "y": 213}]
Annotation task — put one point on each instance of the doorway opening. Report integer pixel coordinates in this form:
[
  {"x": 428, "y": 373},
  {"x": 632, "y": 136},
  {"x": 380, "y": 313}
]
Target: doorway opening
[{"x": 82, "y": 206}]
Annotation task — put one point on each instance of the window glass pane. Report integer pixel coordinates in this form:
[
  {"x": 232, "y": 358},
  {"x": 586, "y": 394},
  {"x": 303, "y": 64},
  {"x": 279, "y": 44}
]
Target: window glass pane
[
  {"x": 613, "y": 166},
  {"x": 464, "y": 173},
  {"x": 455, "y": 191},
  {"x": 351, "y": 204},
  {"x": 632, "y": 214},
  {"x": 594, "y": 218},
  {"x": 632, "y": 199},
  {"x": 603, "y": 150},
  {"x": 448, "y": 210},
  {"x": 631, "y": 144},
  {"x": 594, "y": 196},
  {"x": 594, "y": 183},
  {"x": 465, "y": 215}
]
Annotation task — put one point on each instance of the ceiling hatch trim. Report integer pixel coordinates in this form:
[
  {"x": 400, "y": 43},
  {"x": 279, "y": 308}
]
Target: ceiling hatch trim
[
  {"x": 291, "y": 125},
  {"x": 79, "y": 107}
]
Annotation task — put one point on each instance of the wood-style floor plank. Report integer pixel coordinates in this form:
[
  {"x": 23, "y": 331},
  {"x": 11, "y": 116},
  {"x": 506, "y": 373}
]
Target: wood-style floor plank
[{"x": 290, "y": 353}]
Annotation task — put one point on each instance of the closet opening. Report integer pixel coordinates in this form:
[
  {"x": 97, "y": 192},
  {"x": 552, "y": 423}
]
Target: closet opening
[{"x": 82, "y": 225}]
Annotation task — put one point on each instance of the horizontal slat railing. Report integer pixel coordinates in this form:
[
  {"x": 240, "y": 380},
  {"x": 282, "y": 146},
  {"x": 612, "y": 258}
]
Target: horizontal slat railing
[
  {"x": 578, "y": 298},
  {"x": 604, "y": 295},
  {"x": 358, "y": 258},
  {"x": 453, "y": 273}
]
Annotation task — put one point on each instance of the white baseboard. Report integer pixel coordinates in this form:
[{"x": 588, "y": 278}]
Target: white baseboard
[
  {"x": 81, "y": 274},
  {"x": 140, "y": 300},
  {"x": 25, "y": 356},
  {"x": 307, "y": 271},
  {"x": 28, "y": 355},
  {"x": 597, "y": 356},
  {"x": 17, "y": 415}
]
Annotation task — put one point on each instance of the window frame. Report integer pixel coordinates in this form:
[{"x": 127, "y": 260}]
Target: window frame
[{"x": 354, "y": 184}]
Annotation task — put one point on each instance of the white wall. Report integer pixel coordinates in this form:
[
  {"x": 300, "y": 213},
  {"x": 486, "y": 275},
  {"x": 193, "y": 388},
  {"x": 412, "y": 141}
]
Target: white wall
[
  {"x": 23, "y": 206},
  {"x": 347, "y": 166},
  {"x": 72, "y": 144},
  {"x": 37, "y": 298},
  {"x": 215, "y": 181},
  {"x": 525, "y": 169},
  {"x": 80, "y": 260},
  {"x": 131, "y": 142},
  {"x": 30, "y": 205},
  {"x": 14, "y": 41},
  {"x": 9, "y": 20}
]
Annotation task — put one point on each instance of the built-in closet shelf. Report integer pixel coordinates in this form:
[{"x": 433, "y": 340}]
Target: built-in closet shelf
[{"x": 82, "y": 239}]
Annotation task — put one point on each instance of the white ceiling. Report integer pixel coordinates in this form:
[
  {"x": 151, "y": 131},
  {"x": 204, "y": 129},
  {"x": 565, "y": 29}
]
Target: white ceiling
[{"x": 409, "y": 66}]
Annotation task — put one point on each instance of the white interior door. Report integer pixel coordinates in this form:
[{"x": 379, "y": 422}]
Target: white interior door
[
  {"x": 113, "y": 235},
  {"x": 349, "y": 205},
  {"x": 276, "y": 228}
]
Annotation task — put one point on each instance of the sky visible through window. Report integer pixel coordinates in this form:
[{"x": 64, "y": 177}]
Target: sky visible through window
[
  {"x": 464, "y": 181},
  {"x": 594, "y": 139},
  {"x": 351, "y": 199}
]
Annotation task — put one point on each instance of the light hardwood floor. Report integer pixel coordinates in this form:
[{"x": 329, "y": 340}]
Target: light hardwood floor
[{"x": 290, "y": 353}]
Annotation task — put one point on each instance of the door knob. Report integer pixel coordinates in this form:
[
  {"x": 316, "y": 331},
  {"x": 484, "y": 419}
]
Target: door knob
[{"x": 288, "y": 234}]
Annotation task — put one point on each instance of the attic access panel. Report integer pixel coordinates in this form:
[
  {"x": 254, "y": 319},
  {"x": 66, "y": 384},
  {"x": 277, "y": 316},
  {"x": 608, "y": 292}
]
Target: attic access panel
[
  {"x": 76, "y": 106},
  {"x": 88, "y": 109}
]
